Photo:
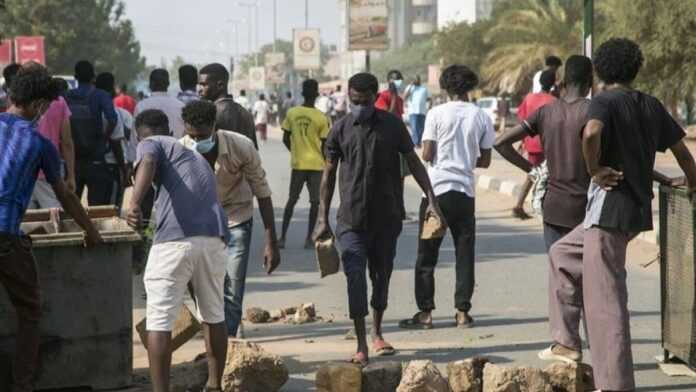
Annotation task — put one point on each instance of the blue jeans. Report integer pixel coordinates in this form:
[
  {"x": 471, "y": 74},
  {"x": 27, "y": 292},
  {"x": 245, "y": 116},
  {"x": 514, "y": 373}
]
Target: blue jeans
[
  {"x": 417, "y": 127},
  {"x": 237, "y": 263}
]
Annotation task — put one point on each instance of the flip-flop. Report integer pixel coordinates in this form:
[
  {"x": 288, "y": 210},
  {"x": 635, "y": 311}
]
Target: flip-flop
[
  {"x": 382, "y": 348},
  {"x": 415, "y": 323},
  {"x": 359, "y": 359}
]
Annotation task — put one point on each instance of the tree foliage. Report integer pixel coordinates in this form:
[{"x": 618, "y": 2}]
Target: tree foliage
[
  {"x": 411, "y": 60},
  {"x": 288, "y": 49},
  {"x": 464, "y": 43},
  {"x": 74, "y": 30}
]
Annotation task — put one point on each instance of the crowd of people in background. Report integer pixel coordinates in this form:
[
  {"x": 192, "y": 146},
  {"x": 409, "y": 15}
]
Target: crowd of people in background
[{"x": 193, "y": 159}]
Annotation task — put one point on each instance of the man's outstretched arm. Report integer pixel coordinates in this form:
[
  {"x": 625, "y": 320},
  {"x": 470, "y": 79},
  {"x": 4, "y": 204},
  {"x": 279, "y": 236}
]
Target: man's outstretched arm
[{"x": 504, "y": 147}]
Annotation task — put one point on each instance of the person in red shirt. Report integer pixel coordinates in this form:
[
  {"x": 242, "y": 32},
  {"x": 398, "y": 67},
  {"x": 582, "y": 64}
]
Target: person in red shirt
[
  {"x": 390, "y": 101},
  {"x": 125, "y": 101},
  {"x": 532, "y": 145}
]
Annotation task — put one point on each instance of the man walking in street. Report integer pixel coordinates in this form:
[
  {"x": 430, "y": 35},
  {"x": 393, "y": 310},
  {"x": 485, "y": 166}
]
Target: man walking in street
[
  {"x": 625, "y": 129},
  {"x": 239, "y": 177},
  {"x": 367, "y": 144},
  {"x": 23, "y": 152},
  {"x": 458, "y": 139},
  {"x": 188, "y": 246},
  {"x": 261, "y": 114},
  {"x": 340, "y": 103},
  {"x": 559, "y": 124},
  {"x": 553, "y": 64},
  {"x": 285, "y": 106},
  {"x": 532, "y": 144},
  {"x": 188, "y": 80},
  {"x": 92, "y": 123},
  {"x": 125, "y": 101},
  {"x": 304, "y": 131},
  {"x": 232, "y": 116},
  {"x": 161, "y": 100},
  {"x": 416, "y": 96}
]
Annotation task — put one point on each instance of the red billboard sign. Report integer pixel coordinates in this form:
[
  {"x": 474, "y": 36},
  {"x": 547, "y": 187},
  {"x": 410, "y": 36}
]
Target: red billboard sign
[
  {"x": 30, "y": 49},
  {"x": 5, "y": 52}
]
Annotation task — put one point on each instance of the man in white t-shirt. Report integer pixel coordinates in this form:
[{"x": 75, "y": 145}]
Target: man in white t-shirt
[
  {"x": 552, "y": 63},
  {"x": 261, "y": 112},
  {"x": 458, "y": 138}
]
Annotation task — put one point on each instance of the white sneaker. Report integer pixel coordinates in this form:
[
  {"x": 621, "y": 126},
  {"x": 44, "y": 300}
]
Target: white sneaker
[{"x": 565, "y": 355}]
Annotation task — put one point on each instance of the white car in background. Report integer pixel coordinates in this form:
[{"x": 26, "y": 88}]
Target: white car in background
[{"x": 489, "y": 105}]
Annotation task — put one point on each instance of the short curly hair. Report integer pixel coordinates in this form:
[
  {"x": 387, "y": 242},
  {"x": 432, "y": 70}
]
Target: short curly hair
[
  {"x": 199, "y": 114},
  {"x": 458, "y": 80},
  {"x": 155, "y": 120},
  {"x": 618, "y": 61},
  {"x": 33, "y": 84},
  {"x": 364, "y": 82}
]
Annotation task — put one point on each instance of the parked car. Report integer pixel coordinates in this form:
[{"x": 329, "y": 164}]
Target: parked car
[{"x": 490, "y": 106}]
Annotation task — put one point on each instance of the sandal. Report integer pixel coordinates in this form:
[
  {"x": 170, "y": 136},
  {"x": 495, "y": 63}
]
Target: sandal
[
  {"x": 415, "y": 323},
  {"x": 359, "y": 359},
  {"x": 520, "y": 214},
  {"x": 382, "y": 348}
]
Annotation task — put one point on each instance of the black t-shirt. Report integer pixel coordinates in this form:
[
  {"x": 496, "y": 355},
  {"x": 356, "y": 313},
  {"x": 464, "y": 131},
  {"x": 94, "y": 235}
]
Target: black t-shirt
[
  {"x": 232, "y": 117},
  {"x": 636, "y": 126},
  {"x": 370, "y": 169},
  {"x": 560, "y": 124}
]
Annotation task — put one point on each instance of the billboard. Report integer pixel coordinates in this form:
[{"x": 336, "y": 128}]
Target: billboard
[
  {"x": 307, "y": 51},
  {"x": 257, "y": 78},
  {"x": 5, "y": 52},
  {"x": 30, "y": 49},
  {"x": 275, "y": 67},
  {"x": 368, "y": 24}
]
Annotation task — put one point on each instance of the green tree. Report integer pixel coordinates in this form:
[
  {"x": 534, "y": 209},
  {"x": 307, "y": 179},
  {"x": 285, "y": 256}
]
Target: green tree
[
  {"x": 411, "y": 60},
  {"x": 523, "y": 33},
  {"x": 463, "y": 43},
  {"x": 286, "y": 47},
  {"x": 74, "y": 30}
]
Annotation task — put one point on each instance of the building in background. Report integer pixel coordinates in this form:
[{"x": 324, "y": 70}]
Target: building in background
[
  {"x": 457, "y": 11},
  {"x": 409, "y": 20}
]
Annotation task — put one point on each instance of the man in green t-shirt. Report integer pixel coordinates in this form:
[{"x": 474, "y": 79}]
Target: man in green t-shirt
[{"x": 305, "y": 130}]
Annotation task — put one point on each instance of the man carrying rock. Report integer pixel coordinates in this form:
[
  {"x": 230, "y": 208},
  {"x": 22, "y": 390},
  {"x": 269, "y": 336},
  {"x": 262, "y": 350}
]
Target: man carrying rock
[
  {"x": 625, "y": 129},
  {"x": 239, "y": 177},
  {"x": 189, "y": 245},
  {"x": 367, "y": 143},
  {"x": 23, "y": 153},
  {"x": 458, "y": 139}
]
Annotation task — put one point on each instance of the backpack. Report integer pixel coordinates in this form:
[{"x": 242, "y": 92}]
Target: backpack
[{"x": 87, "y": 128}]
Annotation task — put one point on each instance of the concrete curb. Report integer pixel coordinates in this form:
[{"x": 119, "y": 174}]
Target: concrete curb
[{"x": 513, "y": 188}]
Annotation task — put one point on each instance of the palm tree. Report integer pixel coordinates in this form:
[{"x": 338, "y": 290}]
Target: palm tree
[{"x": 525, "y": 33}]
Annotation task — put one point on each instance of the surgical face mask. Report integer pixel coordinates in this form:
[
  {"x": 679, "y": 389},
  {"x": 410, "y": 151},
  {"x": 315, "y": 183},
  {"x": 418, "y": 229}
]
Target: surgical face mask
[
  {"x": 362, "y": 112},
  {"x": 204, "y": 146},
  {"x": 398, "y": 83}
]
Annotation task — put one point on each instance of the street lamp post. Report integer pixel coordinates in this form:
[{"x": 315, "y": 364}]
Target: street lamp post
[
  {"x": 255, "y": 7},
  {"x": 588, "y": 27}
]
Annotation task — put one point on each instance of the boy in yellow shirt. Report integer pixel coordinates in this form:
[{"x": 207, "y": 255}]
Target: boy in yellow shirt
[{"x": 304, "y": 131}]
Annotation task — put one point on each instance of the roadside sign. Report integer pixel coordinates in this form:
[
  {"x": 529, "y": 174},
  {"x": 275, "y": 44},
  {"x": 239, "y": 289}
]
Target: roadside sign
[
  {"x": 257, "y": 78},
  {"x": 368, "y": 24},
  {"x": 30, "y": 49},
  {"x": 307, "y": 49}
]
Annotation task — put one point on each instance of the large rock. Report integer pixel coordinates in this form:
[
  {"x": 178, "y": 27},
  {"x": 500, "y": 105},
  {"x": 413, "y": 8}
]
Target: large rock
[
  {"x": 339, "y": 377},
  {"x": 257, "y": 315},
  {"x": 381, "y": 377},
  {"x": 251, "y": 369},
  {"x": 515, "y": 379},
  {"x": 466, "y": 375},
  {"x": 566, "y": 377},
  {"x": 189, "y": 376},
  {"x": 306, "y": 313},
  {"x": 422, "y": 376}
]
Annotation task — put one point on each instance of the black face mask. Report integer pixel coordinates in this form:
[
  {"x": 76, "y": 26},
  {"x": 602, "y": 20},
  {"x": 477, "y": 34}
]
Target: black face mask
[{"x": 363, "y": 111}]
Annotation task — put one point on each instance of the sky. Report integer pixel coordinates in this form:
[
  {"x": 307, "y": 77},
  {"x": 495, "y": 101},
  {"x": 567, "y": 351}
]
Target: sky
[{"x": 203, "y": 31}]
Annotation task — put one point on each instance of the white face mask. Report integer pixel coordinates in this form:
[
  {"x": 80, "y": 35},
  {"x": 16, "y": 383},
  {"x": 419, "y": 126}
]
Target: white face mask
[
  {"x": 398, "y": 83},
  {"x": 205, "y": 146}
]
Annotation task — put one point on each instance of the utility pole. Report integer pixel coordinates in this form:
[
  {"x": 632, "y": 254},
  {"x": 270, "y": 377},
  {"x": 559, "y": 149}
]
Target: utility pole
[
  {"x": 255, "y": 6},
  {"x": 588, "y": 28},
  {"x": 306, "y": 14},
  {"x": 275, "y": 25}
]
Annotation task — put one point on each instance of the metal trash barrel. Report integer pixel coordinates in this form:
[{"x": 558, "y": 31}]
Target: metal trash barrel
[
  {"x": 87, "y": 304},
  {"x": 678, "y": 274}
]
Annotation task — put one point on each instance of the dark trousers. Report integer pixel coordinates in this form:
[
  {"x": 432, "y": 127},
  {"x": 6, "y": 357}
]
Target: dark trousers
[
  {"x": 458, "y": 209},
  {"x": 553, "y": 233},
  {"x": 298, "y": 179},
  {"x": 102, "y": 181},
  {"x": 19, "y": 277},
  {"x": 374, "y": 250}
]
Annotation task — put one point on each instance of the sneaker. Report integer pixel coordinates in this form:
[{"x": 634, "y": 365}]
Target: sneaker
[
  {"x": 463, "y": 320},
  {"x": 556, "y": 352}
]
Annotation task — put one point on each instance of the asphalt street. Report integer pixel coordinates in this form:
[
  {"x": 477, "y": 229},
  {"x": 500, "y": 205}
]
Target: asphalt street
[{"x": 509, "y": 306}]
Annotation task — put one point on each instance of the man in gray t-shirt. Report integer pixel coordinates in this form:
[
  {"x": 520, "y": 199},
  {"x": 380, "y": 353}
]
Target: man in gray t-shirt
[{"x": 189, "y": 244}]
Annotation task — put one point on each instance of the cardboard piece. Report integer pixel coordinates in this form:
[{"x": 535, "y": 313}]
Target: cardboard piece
[{"x": 433, "y": 228}]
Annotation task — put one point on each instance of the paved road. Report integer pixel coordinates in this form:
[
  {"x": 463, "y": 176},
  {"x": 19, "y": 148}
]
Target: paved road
[{"x": 509, "y": 304}]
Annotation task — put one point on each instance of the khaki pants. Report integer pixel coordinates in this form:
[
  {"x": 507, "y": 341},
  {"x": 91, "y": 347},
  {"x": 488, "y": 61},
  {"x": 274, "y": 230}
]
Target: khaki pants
[{"x": 588, "y": 270}]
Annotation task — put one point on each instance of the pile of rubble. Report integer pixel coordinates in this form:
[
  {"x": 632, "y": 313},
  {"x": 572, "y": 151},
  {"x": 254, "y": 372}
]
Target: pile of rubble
[
  {"x": 470, "y": 375},
  {"x": 302, "y": 314}
]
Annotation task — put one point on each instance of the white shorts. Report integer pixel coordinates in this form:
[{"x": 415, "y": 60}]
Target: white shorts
[{"x": 170, "y": 266}]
